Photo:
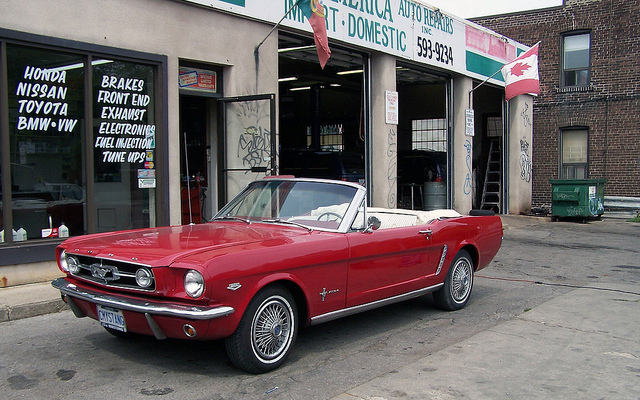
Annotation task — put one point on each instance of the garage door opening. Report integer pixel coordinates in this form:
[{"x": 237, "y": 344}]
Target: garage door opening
[
  {"x": 489, "y": 149},
  {"x": 423, "y": 138},
  {"x": 322, "y": 111}
]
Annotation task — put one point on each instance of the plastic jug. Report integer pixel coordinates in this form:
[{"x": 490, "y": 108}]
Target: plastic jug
[{"x": 63, "y": 231}]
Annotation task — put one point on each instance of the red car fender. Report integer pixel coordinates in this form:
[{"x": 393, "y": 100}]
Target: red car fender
[
  {"x": 245, "y": 296},
  {"x": 453, "y": 250}
]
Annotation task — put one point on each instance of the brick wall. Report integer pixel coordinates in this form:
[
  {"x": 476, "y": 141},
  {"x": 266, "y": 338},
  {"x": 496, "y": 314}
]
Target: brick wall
[{"x": 609, "y": 108}]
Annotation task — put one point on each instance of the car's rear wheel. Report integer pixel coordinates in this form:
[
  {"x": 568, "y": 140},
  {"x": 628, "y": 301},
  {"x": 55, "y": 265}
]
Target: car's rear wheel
[
  {"x": 266, "y": 333},
  {"x": 457, "y": 285}
]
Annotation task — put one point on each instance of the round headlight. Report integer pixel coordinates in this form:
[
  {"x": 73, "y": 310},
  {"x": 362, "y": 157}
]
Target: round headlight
[
  {"x": 144, "y": 277},
  {"x": 63, "y": 261},
  {"x": 73, "y": 264},
  {"x": 193, "y": 283}
]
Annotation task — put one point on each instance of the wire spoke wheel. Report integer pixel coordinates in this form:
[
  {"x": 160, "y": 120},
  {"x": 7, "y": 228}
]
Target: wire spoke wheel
[
  {"x": 461, "y": 280},
  {"x": 266, "y": 333},
  {"x": 271, "y": 329},
  {"x": 455, "y": 292}
]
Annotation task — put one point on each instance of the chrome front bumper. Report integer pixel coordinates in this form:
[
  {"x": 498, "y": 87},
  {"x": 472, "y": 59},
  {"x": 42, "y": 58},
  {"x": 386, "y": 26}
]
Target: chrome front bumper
[{"x": 142, "y": 306}]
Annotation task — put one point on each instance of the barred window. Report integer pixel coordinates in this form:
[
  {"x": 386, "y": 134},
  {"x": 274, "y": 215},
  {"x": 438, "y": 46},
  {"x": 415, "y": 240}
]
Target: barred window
[{"x": 429, "y": 134}]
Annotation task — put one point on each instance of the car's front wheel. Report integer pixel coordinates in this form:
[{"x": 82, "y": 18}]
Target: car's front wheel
[
  {"x": 266, "y": 333},
  {"x": 457, "y": 284}
]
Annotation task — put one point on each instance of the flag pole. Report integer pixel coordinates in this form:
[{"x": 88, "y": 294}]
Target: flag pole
[
  {"x": 480, "y": 84},
  {"x": 257, "y": 49}
]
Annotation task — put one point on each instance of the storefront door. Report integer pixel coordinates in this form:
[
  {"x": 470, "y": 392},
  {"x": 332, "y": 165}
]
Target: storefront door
[{"x": 248, "y": 140}]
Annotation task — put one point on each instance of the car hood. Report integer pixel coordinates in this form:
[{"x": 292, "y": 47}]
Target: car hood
[{"x": 165, "y": 245}]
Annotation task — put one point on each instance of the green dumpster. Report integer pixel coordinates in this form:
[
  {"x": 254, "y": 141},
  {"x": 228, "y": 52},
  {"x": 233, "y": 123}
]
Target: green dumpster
[{"x": 577, "y": 198}]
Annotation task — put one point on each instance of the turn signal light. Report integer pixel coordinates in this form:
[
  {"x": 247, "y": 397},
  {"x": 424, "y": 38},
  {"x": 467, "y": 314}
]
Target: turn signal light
[{"x": 189, "y": 330}]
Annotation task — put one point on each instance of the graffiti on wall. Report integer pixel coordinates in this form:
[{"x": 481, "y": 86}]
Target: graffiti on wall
[
  {"x": 248, "y": 127},
  {"x": 254, "y": 146},
  {"x": 525, "y": 161},
  {"x": 392, "y": 175},
  {"x": 467, "y": 179},
  {"x": 526, "y": 115}
]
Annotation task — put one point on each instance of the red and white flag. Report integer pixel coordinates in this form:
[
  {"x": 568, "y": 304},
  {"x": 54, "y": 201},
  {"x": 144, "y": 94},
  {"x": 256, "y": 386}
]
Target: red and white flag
[{"x": 521, "y": 74}]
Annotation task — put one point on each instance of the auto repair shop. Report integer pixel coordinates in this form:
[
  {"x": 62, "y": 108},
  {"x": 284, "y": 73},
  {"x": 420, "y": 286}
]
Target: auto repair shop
[{"x": 135, "y": 113}]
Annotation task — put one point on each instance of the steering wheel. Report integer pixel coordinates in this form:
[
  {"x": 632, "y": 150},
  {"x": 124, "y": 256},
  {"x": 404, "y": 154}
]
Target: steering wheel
[{"x": 330, "y": 216}]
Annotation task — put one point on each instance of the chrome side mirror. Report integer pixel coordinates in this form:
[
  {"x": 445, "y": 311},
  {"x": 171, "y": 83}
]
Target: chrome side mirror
[{"x": 373, "y": 224}]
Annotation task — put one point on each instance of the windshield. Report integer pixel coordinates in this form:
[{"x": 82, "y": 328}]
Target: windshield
[{"x": 311, "y": 204}]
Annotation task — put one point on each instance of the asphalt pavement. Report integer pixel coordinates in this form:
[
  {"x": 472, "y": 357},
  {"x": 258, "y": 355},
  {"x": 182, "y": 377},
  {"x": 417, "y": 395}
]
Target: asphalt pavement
[{"x": 584, "y": 343}]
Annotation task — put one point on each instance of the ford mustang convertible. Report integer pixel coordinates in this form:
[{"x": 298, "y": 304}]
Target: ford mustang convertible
[{"x": 283, "y": 254}]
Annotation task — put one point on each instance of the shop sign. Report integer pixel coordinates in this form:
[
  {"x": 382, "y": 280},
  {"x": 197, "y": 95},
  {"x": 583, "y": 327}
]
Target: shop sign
[
  {"x": 42, "y": 102},
  {"x": 470, "y": 122},
  {"x": 147, "y": 183},
  {"x": 146, "y": 173},
  {"x": 403, "y": 28},
  {"x": 198, "y": 80},
  {"x": 392, "y": 107},
  {"x": 123, "y": 134}
]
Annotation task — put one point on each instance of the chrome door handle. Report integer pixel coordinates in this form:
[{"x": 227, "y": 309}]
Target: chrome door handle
[{"x": 427, "y": 233}]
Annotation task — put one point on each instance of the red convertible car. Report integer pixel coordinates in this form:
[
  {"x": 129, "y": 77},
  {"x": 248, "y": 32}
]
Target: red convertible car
[{"x": 283, "y": 254}]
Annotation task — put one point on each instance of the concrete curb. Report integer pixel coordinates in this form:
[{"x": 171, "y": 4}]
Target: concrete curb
[
  {"x": 26, "y": 301},
  {"x": 21, "y": 311}
]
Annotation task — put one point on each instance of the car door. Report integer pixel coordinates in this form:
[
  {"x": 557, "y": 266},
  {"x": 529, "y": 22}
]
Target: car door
[{"x": 389, "y": 262}]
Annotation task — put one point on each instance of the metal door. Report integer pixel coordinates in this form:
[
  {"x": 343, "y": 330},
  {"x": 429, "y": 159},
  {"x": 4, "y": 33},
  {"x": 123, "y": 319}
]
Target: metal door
[{"x": 248, "y": 142}]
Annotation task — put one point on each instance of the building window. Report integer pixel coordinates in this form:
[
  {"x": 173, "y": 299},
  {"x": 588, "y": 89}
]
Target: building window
[
  {"x": 55, "y": 188},
  {"x": 494, "y": 127},
  {"x": 124, "y": 144},
  {"x": 573, "y": 160},
  {"x": 46, "y": 107},
  {"x": 429, "y": 134},
  {"x": 331, "y": 137},
  {"x": 576, "y": 59}
]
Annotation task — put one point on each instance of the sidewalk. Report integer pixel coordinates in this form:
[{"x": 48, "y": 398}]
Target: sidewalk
[
  {"x": 25, "y": 301},
  {"x": 583, "y": 344}
]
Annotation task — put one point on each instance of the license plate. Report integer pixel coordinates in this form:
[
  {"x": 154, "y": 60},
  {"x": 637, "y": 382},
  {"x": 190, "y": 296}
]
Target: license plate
[{"x": 111, "y": 318}]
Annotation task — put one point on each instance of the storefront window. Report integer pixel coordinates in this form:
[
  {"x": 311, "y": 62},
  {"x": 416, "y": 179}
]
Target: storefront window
[
  {"x": 124, "y": 145},
  {"x": 46, "y": 110},
  {"x": 78, "y": 143}
]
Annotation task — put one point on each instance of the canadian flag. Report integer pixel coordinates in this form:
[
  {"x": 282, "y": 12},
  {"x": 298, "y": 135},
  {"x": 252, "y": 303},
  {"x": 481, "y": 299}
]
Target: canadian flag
[{"x": 521, "y": 74}]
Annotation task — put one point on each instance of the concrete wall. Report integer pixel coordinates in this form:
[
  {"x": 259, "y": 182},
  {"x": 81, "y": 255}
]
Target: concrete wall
[
  {"x": 177, "y": 30},
  {"x": 462, "y": 147},
  {"x": 14, "y": 275},
  {"x": 520, "y": 147},
  {"x": 384, "y": 136}
]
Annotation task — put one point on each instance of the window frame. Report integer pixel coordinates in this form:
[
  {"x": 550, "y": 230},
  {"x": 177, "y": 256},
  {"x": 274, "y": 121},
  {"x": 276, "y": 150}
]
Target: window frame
[
  {"x": 563, "y": 70},
  {"x": 561, "y": 163},
  {"x": 43, "y": 250}
]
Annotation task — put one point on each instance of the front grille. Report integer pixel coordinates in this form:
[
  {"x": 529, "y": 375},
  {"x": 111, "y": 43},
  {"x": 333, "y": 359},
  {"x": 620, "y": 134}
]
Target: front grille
[{"x": 110, "y": 273}]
